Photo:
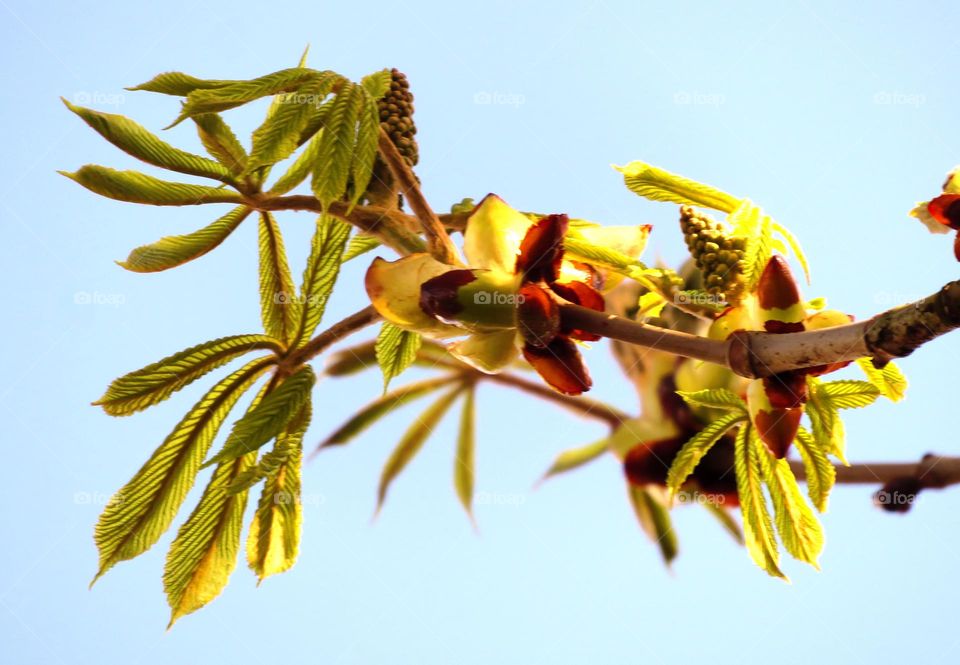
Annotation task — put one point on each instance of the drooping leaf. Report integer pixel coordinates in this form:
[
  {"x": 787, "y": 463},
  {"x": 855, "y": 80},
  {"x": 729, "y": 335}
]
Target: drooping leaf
[
  {"x": 726, "y": 520},
  {"x": 143, "y": 509},
  {"x": 337, "y": 143},
  {"x": 715, "y": 398},
  {"x": 821, "y": 474},
  {"x": 172, "y": 251},
  {"x": 699, "y": 445},
  {"x": 794, "y": 247},
  {"x": 757, "y": 525},
  {"x": 413, "y": 440},
  {"x": 381, "y": 407},
  {"x": 396, "y": 350},
  {"x": 825, "y": 420},
  {"x": 220, "y": 141},
  {"x": 274, "y": 537},
  {"x": 463, "y": 463},
  {"x": 847, "y": 394},
  {"x": 136, "y": 187},
  {"x": 280, "y": 308},
  {"x": 286, "y": 443},
  {"x": 890, "y": 380},
  {"x": 179, "y": 84},
  {"x": 657, "y": 184},
  {"x": 269, "y": 417},
  {"x": 135, "y": 140},
  {"x": 320, "y": 274},
  {"x": 799, "y": 529},
  {"x": 749, "y": 222},
  {"x": 654, "y": 519},
  {"x": 360, "y": 244},
  {"x": 156, "y": 382},
  {"x": 300, "y": 169},
  {"x": 574, "y": 458}
]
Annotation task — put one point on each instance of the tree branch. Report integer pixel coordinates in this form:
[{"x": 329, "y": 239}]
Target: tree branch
[{"x": 343, "y": 328}]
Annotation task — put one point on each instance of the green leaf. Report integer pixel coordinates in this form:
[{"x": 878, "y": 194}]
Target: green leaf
[
  {"x": 396, "y": 350},
  {"x": 413, "y": 440},
  {"x": 825, "y": 420},
  {"x": 220, "y": 141},
  {"x": 221, "y": 98},
  {"x": 300, "y": 169},
  {"x": 847, "y": 394},
  {"x": 657, "y": 184},
  {"x": 172, "y": 251},
  {"x": 380, "y": 407},
  {"x": 598, "y": 255},
  {"x": 139, "y": 513},
  {"x": 890, "y": 380},
  {"x": 335, "y": 153},
  {"x": 574, "y": 458},
  {"x": 749, "y": 222},
  {"x": 287, "y": 442},
  {"x": 757, "y": 525},
  {"x": 204, "y": 553},
  {"x": 723, "y": 516},
  {"x": 655, "y": 521},
  {"x": 280, "y": 308},
  {"x": 136, "y": 187},
  {"x": 269, "y": 417},
  {"x": 179, "y": 84},
  {"x": 463, "y": 463},
  {"x": 365, "y": 153},
  {"x": 715, "y": 398},
  {"x": 699, "y": 445},
  {"x": 799, "y": 529},
  {"x": 156, "y": 382},
  {"x": 274, "y": 537},
  {"x": 133, "y": 139},
  {"x": 280, "y": 134},
  {"x": 821, "y": 474},
  {"x": 360, "y": 244},
  {"x": 794, "y": 247},
  {"x": 320, "y": 274},
  {"x": 377, "y": 84}
]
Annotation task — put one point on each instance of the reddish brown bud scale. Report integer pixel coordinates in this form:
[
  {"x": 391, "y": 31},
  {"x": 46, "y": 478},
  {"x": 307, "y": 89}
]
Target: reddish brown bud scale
[
  {"x": 560, "y": 365},
  {"x": 778, "y": 428},
  {"x": 541, "y": 251},
  {"x": 538, "y": 315},
  {"x": 777, "y": 289},
  {"x": 946, "y": 210},
  {"x": 438, "y": 296},
  {"x": 580, "y": 293}
]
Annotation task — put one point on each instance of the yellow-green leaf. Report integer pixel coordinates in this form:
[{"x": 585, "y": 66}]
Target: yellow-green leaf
[
  {"x": 715, "y": 398},
  {"x": 890, "y": 380},
  {"x": 749, "y": 222},
  {"x": 463, "y": 462},
  {"x": 300, "y": 169},
  {"x": 377, "y": 84},
  {"x": 337, "y": 143},
  {"x": 396, "y": 350},
  {"x": 156, "y": 382},
  {"x": 139, "y": 513},
  {"x": 172, "y": 251},
  {"x": 799, "y": 529},
  {"x": 368, "y": 136},
  {"x": 654, "y": 519},
  {"x": 821, "y": 474},
  {"x": 360, "y": 244},
  {"x": 220, "y": 141},
  {"x": 794, "y": 247},
  {"x": 280, "y": 308},
  {"x": 758, "y": 532},
  {"x": 136, "y": 187},
  {"x": 848, "y": 394},
  {"x": 699, "y": 445},
  {"x": 574, "y": 458},
  {"x": 657, "y": 184},
  {"x": 320, "y": 274},
  {"x": 179, "y": 84}
]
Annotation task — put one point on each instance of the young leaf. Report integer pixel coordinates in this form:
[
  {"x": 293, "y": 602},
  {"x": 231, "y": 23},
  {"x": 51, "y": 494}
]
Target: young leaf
[
  {"x": 715, "y": 398},
  {"x": 413, "y": 440},
  {"x": 143, "y": 509},
  {"x": 723, "y": 516},
  {"x": 136, "y": 187},
  {"x": 396, "y": 350},
  {"x": 360, "y": 244},
  {"x": 380, "y": 407},
  {"x": 825, "y": 420},
  {"x": 574, "y": 458},
  {"x": 890, "y": 380},
  {"x": 286, "y": 443},
  {"x": 757, "y": 526},
  {"x": 657, "y": 184},
  {"x": 156, "y": 382},
  {"x": 269, "y": 417},
  {"x": 749, "y": 222},
  {"x": 179, "y": 84},
  {"x": 300, "y": 169},
  {"x": 377, "y": 84},
  {"x": 220, "y": 141},
  {"x": 821, "y": 473},
  {"x": 335, "y": 153},
  {"x": 655, "y": 521},
  {"x": 799, "y": 529},
  {"x": 463, "y": 463},
  {"x": 133, "y": 139},
  {"x": 794, "y": 247},
  {"x": 172, "y": 251},
  {"x": 280, "y": 309},
  {"x": 275, "y": 530},
  {"x": 320, "y": 274},
  {"x": 847, "y": 394},
  {"x": 365, "y": 154},
  {"x": 699, "y": 445}
]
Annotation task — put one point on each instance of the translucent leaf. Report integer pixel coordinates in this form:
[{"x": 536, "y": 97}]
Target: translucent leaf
[
  {"x": 825, "y": 420},
  {"x": 795, "y": 248},
  {"x": 749, "y": 222},
  {"x": 574, "y": 458},
  {"x": 365, "y": 154},
  {"x": 335, "y": 153},
  {"x": 269, "y": 417},
  {"x": 821, "y": 474},
  {"x": 377, "y": 84},
  {"x": 143, "y": 509},
  {"x": 847, "y": 394},
  {"x": 463, "y": 463},
  {"x": 726, "y": 520},
  {"x": 220, "y": 141},
  {"x": 133, "y": 139},
  {"x": 156, "y": 382},
  {"x": 716, "y": 398},
  {"x": 758, "y": 531},
  {"x": 360, "y": 244},
  {"x": 657, "y": 184},
  {"x": 412, "y": 441},
  {"x": 598, "y": 255},
  {"x": 179, "y": 84},
  {"x": 799, "y": 529},
  {"x": 136, "y": 187},
  {"x": 381, "y": 407},
  {"x": 396, "y": 349},
  {"x": 650, "y": 304},
  {"x": 287, "y": 442},
  {"x": 890, "y": 380},
  {"x": 654, "y": 519},
  {"x": 300, "y": 169},
  {"x": 320, "y": 274},
  {"x": 172, "y": 251},
  {"x": 699, "y": 445},
  {"x": 280, "y": 308}
]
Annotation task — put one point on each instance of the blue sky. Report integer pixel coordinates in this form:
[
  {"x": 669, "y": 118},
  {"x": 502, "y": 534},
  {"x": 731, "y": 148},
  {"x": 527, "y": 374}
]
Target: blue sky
[{"x": 835, "y": 118}]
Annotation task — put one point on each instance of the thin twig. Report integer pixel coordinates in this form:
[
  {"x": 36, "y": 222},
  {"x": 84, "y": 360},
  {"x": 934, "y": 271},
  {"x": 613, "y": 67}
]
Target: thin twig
[{"x": 351, "y": 324}]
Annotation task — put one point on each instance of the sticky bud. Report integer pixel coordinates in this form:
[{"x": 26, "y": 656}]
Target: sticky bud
[
  {"x": 777, "y": 427},
  {"x": 777, "y": 293}
]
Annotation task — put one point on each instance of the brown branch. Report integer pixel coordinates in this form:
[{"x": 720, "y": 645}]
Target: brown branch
[
  {"x": 931, "y": 472},
  {"x": 351, "y": 324},
  {"x": 438, "y": 241}
]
